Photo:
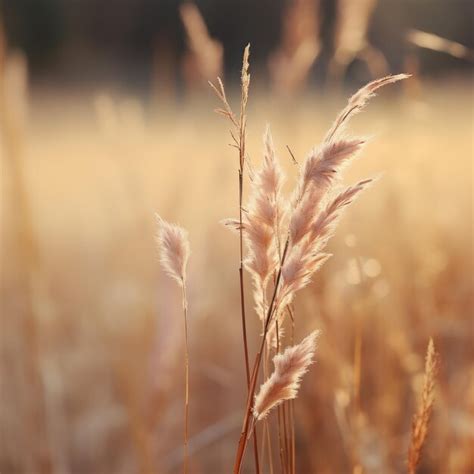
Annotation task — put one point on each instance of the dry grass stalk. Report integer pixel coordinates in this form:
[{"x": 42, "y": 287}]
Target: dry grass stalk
[
  {"x": 138, "y": 428},
  {"x": 422, "y": 39},
  {"x": 300, "y": 46},
  {"x": 174, "y": 254},
  {"x": 352, "y": 23},
  {"x": 421, "y": 420},
  {"x": 205, "y": 57},
  {"x": 283, "y": 384},
  {"x": 239, "y": 135},
  {"x": 174, "y": 245},
  {"x": 262, "y": 222},
  {"x": 319, "y": 171},
  {"x": 13, "y": 111},
  {"x": 317, "y": 206},
  {"x": 291, "y": 404},
  {"x": 357, "y": 103},
  {"x": 306, "y": 255}
]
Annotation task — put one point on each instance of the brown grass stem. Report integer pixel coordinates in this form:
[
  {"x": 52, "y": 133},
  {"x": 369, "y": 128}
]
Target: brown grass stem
[
  {"x": 186, "y": 378},
  {"x": 279, "y": 409},
  {"x": 266, "y": 430},
  {"x": 422, "y": 418},
  {"x": 29, "y": 262},
  {"x": 240, "y": 126},
  {"x": 174, "y": 255},
  {"x": 245, "y": 79},
  {"x": 357, "y": 364},
  {"x": 253, "y": 381},
  {"x": 313, "y": 218},
  {"x": 291, "y": 402},
  {"x": 286, "y": 436}
]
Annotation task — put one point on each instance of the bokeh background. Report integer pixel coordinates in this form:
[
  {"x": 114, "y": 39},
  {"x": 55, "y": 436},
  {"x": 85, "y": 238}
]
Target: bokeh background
[{"x": 107, "y": 118}]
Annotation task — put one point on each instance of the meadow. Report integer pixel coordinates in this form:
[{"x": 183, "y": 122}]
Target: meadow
[{"x": 100, "y": 325}]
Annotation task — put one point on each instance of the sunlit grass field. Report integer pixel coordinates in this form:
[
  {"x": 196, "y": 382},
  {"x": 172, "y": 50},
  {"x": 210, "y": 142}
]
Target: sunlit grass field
[{"x": 96, "y": 170}]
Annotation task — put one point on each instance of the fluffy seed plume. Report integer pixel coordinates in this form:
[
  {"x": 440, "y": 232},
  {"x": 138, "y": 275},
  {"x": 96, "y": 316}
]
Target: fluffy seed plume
[
  {"x": 174, "y": 250},
  {"x": 271, "y": 177},
  {"x": 323, "y": 164},
  {"x": 245, "y": 77},
  {"x": 262, "y": 221},
  {"x": 320, "y": 171},
  {"x": 285, "y": 381},
  {"x": 298, "y": 269},
  {"x": 325, "y": 224},
  {"x": 314, "y": 215},
  {"x": 358, "y": 101},
  {"x": 421, "y": 419},
  {"x": 265, "y": 203},
  {"x": 306, "y": 255},
  {"x": 258, "y": 237}
]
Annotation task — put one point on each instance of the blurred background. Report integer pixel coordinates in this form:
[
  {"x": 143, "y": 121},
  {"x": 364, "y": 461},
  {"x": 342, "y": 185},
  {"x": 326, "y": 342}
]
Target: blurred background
[{"x": 106, "y": 118}]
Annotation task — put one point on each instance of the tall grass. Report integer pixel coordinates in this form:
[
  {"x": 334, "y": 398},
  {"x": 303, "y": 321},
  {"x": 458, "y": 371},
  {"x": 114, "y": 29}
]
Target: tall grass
[
  {"x": 285, "y": 242},
  {"x": 174, "y": 245},
  {"x": 400, "y": 273},
  {"x": 422, "y": 418},
  {"x": 13, "y": 111}
]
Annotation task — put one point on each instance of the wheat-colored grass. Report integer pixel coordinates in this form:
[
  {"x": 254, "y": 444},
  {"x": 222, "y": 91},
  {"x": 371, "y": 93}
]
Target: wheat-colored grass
[
  {"x": 174, "y": 252},
  {"x": 434, "y": 42},
  {"x": 308, "y": 230},
  {"x": 421, "y": 419},
  {"x": 13, "y": 118},
  {"x": 299, "y": 47},
  {"x": 284, "y": 382},
  {"x": 111, "y": 351},
  {"x": 353, "y": 19},
  {"x": 204, "y": 59}
]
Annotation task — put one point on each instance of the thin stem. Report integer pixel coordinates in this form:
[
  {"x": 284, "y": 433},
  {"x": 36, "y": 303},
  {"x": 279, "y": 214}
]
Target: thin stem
[
  {"x": 280, "y": 441},
  {"x": 266, "y": 423},
  {"x": 332, "y": 132},
  {"x": 253, "y": 381},
  {"x": 286, "y": 438},
  {"x": 279, "y": 412},
  {"x": 292, "y": 438},
  {"x": 240, "y": 127},
  {"x": 291, "y": 402},
  {"x": 241, "y": 147},
  {"x": 266, "y": 430},
  {"x": 241, "y": 276},
  {"x": 241, "y": 280},
  {"x": 270, "y": 450},
  {"x": 284, "y": 417},
  {"x": 357, "y": 364},
  {"x": 277, "y": 332},
  {"x": 358, "y": 342},
  {"x": 295, "y": 162},
  {"x": 186, "y": 376},
  {"x": 285, "y": 435},
  {"x": 29, "y": 263}
]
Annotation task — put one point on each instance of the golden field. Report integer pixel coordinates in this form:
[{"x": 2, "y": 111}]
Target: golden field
[{"x": 85, "y": 307}]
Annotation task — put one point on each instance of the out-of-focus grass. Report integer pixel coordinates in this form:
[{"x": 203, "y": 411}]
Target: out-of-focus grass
[{"x": 110, "y": 331}]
